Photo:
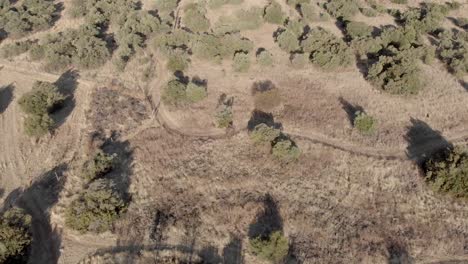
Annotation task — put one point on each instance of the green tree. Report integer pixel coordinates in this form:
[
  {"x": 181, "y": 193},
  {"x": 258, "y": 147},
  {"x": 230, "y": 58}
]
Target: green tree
[
  {"x": 264, "y": 134},
  {"x": 42, "y": 99},
  {"x": 364, "y": 123},
  {"x": 273, "y": 13},
  {"x": 241, "y": 62},
  {"x": 195, "y": 93},
  {"x": 174, "y": 93},
  {"x": 15, "y": 236},
  {"x": 274, "y": 249},
  {"x": 286, "y": 151},
  {"x": 100, "y": 164}
]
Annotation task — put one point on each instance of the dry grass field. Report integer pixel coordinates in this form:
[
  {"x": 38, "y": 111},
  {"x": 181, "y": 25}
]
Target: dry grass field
[{"x": 199, "y": 192}]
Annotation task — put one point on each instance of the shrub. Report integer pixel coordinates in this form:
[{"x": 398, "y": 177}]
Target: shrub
[
  {"x": 364, "y": 123},
  {"x": 42, "y": 99},
  {"x": 273, "y": 13},
  {"x": 342, "y": 8},
  {"x": 174, "y": 93},
  {"x": 453, "y": 50},
  {"x": 326, "y": 50},
  {"x": 265, "y": 58},
  {"x": 367, "y": 46},
  {"x": 166, "y": 5},
  {"x": 357, "y": 30},
  {"x": 263, "y": 134},
  {"x": 309, "y": 13},
  {"x": 177, "y": 61},
  {"x": 288, "y": 41},
  {"x": 15, "y": 48},
  {"x": 96, "y": 208},
  {"x": 194, "y": 18},
  {"x": 27, "y": 17},
  {"x": 15, "y": 236},
  {"x": 99, "y": 165},
  {"x": 195, "y": 93},
  {"x": 38, "y": 125},
  {"x": 275, "y": 248},
  {"x": 224, "y": 117},
  {"x": 425, "y": 19},
  {"x": 399, "y": 1},
  {"x": 286, "y": 151},
  {"x": 397, "y": 72},
  {"x": 448, "y": 172},
  {"x": 241, "y": 62}
]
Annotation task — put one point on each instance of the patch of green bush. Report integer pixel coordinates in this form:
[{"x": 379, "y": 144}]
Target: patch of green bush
[
  {"x": 195, "y": 93},
  {"x": 103, "y": 12},
  {"x": 448, "y": 172},
  {"x": 364, "y": 123},
  {"x": 425, "y": 19},
  {"x": 96, "y": 208},
  {"x": 299, "y": 60},
  {"x": 26, "y": 17},
  {"x": 15, "y": 48},
  {"x": 358, "y": 30},
  {"x": 309, "y": 12},
  {"x": 216, "y": 48},
  {"x": 241, "y": 62},
  {"x": 15, "y": 236},
  {"x": 326, "y": 50},
  {"x": 397, "y": 72},
  {"x": 99, "y": 165},
  {"x": 274, "y": 13},
  {"x": 177, "y": 61},
  {"x": 264, "y": 134},
  {"x": 80, "y": 47},
  {"x": 343, "y": 9},
  {"x": 224, "y": 117},
  {"x": 194, "y": 18},
  {"x": 43, "y": 99},
  {"x": 166, "y": 5},
  {"x": 453, "y": 50},
  {"x": 275, "y": 248},
  {"x": 174, "y": 40},
  {"x": 286, "y": 151},
  {"x": 265, "y": 58},
  {"x": 288, "y": 41}
]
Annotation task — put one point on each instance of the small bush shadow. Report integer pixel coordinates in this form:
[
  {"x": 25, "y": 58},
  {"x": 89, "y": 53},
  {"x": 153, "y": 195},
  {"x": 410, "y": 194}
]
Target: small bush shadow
[
  {"x": 350, "y": 109},
  {"x": 232, "y": 252},
  {"x": 398, "y": 254},
  {"x": 423, "y": 141},
  {"x": 258, "y": 117},
  {"x": 6, "y": 96},
  {"x": 210, "y": 255},
  {"x": 67, "y": 84},
  {"x": 267, "y": 221},
  {"x": 464, "y": 84}
]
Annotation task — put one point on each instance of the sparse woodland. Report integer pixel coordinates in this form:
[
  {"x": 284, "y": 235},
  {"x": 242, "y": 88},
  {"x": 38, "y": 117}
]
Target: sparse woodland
[{"x": 228, "y": 124}]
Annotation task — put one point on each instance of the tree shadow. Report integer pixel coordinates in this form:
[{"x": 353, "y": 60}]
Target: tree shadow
[
  {"x": 232, "y": 252},
  {"x": 199, "y": 81},
  {"x": 210, "y": 255},
  {"x": 37, "y": 200},
  {"x": 398, "y": 254},
  {"x": 462, "y": 83},
  {"x": 267, "y": 221},
  {"x": 67, "y": 84},
  {"x": 161, "y": 221},
  {"x": 123, "y": 169},
  {"x": 6, "y": 96},
  {"x": 259, "y": 117},
  {"x": 181, "y": 77},
  {"x": 350, "y": 109},
  {"x": 423, "y": 141}
]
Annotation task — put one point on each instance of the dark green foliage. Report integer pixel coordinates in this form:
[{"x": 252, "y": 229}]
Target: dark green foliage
[
  {"x": 241, "y": 62},
  {"x": 344, "y": 9},
  {"x": 15, "y": 48},
  {"x": 425, "y": 19},
  {"x": 42, "y": 99},
  {"x": 274, "y": 14},
  {"x": 80, "y": 47},
  {"x": 263, "y": 134},
  {"x": 448, "y": 172},
  {"x": 397, "y": 72},
  {"x": 38, "y": 104},
  {"x": 309, "y": 12},
  {"x": 101, "y": 12},
  {"x": 96, "y": 208},
  {"x": 175, "y": 41},
  {"x": 364, "y": 123},
  {"x": 15, "y": 236},
  {"x": 453, "y": 50},
  {"x": 274, "y": 249},
  {"x": 100, "y": 164},
  {"x": 401, "y": 38},
  {"x": 216, "y": 48},
  {"x": 194, "y": 18},
  {"x": 286, "y": 151},
  {"x": 177, "y": 61},
  {"x": 288, "y": 40},
  {"x": 358, "y": 30},
  {"x": 27, "y": 17},
  {"x": 326, "y": 50}
]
